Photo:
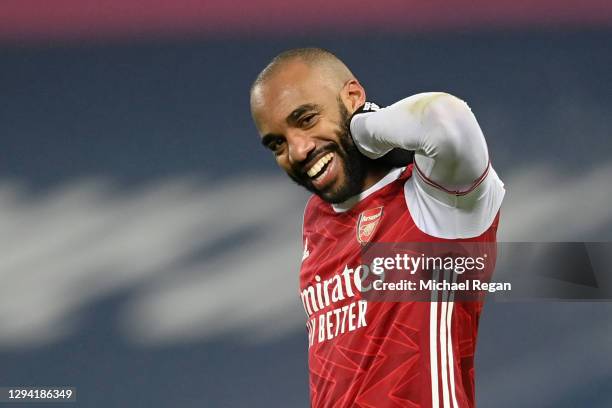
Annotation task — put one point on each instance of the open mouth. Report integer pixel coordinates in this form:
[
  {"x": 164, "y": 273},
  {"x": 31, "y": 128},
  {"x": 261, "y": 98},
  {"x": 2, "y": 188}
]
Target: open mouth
[
  {"x": 324, "y": 172},
  {"x": 319, "y": 168}
]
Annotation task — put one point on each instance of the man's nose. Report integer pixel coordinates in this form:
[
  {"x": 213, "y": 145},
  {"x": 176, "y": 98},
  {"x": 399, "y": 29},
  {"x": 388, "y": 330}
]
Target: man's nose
[{"x": 300, "y": 145}]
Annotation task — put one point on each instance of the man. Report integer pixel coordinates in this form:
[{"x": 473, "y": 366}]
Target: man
[{"x": 311, "y": 112}]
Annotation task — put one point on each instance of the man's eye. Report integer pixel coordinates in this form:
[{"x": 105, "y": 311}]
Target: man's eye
[
  {"x": 276, "y": 144},
  {"x": 308, "y": 120}
]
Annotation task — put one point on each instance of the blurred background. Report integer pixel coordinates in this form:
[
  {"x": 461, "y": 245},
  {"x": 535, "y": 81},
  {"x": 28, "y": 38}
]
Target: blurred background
[{"x": 150, "y": 247}]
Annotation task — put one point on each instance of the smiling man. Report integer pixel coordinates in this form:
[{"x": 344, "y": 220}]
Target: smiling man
[{"x": 311, "y": 112}]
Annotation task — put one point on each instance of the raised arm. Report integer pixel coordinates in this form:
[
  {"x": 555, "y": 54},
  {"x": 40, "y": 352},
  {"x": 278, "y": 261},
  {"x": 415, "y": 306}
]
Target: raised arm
[{"x": 450, "y": 149}]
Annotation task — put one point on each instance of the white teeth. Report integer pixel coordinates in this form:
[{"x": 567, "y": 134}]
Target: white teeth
[{"x": 316, "y": 168}]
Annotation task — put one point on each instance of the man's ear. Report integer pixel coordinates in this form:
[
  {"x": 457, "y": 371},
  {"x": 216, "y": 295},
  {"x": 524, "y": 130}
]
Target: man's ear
[{"x": 353, "y": 95}]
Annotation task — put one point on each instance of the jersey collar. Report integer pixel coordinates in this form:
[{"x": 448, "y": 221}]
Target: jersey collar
[{"x": 350, "y": 203}]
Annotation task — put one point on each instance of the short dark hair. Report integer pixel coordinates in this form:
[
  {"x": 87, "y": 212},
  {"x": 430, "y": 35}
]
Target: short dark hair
[{"x": 309, "y": 55}]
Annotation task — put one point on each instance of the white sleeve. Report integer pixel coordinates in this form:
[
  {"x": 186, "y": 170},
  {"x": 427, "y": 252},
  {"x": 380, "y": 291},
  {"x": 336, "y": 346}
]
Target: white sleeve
[{"x": 454, "y": 193}]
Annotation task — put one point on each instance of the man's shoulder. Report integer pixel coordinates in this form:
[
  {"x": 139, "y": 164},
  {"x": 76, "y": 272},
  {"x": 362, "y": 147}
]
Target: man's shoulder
[{"x": 315, "y": 206}]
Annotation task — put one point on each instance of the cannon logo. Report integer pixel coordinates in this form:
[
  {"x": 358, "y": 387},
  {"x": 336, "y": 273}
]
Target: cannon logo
[{"x": 367, "y": 224}]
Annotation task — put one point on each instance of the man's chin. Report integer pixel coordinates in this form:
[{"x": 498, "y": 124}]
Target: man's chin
[
  {"x": 332, "y": 199},
  {"x": 340, "y": 188},
  {"x": 333, "y": 194},
  {"x": 337, "y": 194}
]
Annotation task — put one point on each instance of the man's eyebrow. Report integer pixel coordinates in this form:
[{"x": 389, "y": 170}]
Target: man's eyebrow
[
  {"x": 300, "y": 110},
  {"x": 291, "y": 119}
]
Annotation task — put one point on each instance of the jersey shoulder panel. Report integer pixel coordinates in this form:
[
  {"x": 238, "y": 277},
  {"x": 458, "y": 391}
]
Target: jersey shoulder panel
[
  {"x": 450, "y": 216},
  {"x": 315, "y": 208}
]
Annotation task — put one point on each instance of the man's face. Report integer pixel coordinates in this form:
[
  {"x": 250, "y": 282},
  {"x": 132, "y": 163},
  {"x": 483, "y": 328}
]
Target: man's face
[{"x": 302, "y": 119}]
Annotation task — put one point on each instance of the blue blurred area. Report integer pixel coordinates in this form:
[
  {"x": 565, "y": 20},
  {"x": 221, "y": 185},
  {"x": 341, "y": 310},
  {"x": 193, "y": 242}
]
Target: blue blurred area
[
  {"x": 130, "y": 119},
  {"x": 149, "y": 110}
]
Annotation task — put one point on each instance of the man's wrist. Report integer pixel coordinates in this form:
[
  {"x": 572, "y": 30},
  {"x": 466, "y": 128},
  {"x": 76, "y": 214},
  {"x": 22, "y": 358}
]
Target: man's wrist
[{"x": 367, "y": 107}]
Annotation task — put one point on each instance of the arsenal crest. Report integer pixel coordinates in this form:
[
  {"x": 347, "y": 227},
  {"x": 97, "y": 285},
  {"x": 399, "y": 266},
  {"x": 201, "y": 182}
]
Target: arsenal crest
[{"x": 367, "y": 224}]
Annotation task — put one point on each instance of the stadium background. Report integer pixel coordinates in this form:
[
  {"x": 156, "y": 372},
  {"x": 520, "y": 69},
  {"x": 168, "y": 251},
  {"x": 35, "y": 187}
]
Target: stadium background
[{"x": 150, "y": 247}]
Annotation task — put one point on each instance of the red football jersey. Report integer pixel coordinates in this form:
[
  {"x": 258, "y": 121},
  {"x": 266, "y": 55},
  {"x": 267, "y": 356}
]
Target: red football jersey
[{"x": 380, "y": 354}]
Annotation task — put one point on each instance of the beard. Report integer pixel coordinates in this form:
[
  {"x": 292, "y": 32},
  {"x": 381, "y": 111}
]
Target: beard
[{"x": 354, "y": 164}]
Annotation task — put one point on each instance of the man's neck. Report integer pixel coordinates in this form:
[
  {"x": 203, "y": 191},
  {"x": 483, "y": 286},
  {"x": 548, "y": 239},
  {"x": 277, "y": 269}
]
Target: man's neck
[
  {"x": 375, "y": 173},
  {"x": 374, "y": 176}
]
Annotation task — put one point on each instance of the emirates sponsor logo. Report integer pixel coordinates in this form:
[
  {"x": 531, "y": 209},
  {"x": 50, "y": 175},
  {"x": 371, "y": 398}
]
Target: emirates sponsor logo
[
  {"x": 368, "y": 223},
  {"x": 347, "y": 312}
]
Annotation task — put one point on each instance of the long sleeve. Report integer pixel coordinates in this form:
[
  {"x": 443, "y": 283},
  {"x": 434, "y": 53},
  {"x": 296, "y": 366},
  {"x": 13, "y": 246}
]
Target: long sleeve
[
  {"x": 455, "y": 193},
  {"x": 450, "y": 148}
]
